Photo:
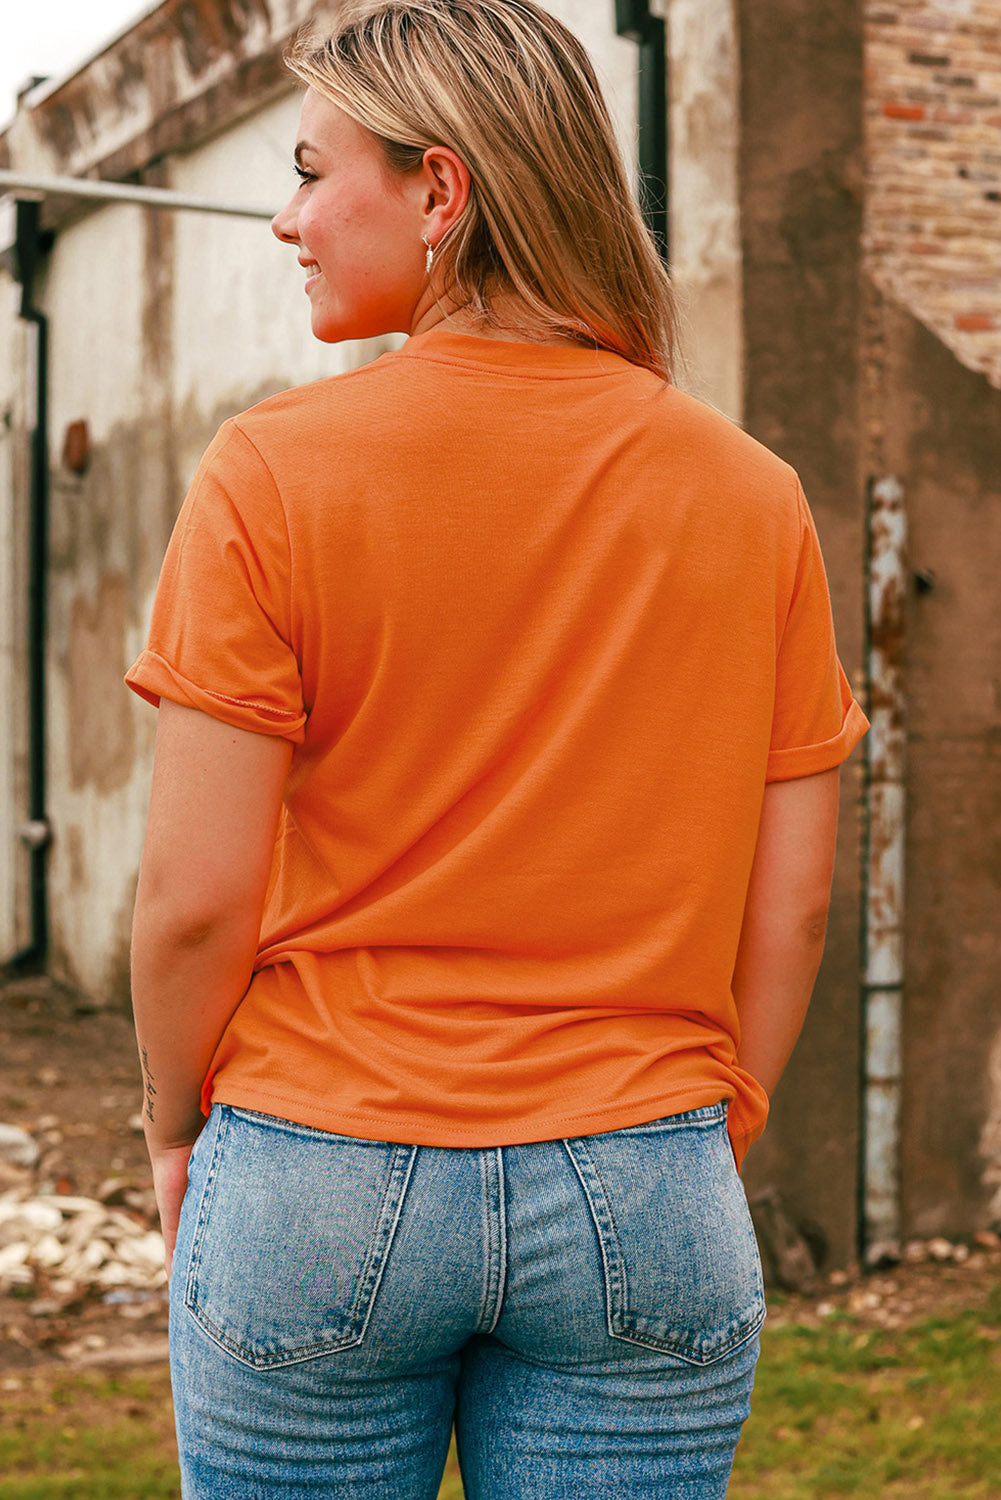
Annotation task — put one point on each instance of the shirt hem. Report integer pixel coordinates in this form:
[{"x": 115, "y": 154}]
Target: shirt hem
[
  {"x": 153, "y": 677},
  {"x": 427, "y": 1130}
]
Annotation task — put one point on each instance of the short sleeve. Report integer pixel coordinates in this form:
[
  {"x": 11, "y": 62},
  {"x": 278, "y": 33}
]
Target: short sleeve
[
  {"x": 816, "y": 722},
  {"x": 220, "y": 637}
]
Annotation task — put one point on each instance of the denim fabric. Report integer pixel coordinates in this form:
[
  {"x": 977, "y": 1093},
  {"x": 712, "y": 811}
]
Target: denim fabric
[{"x": 585, "y": 1312}]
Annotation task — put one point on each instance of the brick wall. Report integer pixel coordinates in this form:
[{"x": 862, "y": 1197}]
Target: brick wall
[{"x": 933, "y": 150}]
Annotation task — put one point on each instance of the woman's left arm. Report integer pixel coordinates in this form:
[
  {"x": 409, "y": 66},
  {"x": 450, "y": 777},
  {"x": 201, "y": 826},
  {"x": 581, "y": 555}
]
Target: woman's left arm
[{"x": 216, "y": 797}]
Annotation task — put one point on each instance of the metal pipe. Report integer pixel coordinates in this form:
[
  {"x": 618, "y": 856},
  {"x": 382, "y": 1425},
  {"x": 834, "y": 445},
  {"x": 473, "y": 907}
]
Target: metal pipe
[
  {"x": 27, "y": 184},
  {"x": 634, "y": 21},
  {"x": 34, "y": 832},
  {"x": 885, "y": 847}
]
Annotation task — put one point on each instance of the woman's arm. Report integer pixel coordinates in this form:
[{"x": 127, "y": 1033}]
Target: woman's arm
[
  {"x": 213, "y": 817},
  {"x": 785, "y": 920}
]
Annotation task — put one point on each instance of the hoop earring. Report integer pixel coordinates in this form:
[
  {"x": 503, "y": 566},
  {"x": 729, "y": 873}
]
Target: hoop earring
[{"x": 429, "y": 258}]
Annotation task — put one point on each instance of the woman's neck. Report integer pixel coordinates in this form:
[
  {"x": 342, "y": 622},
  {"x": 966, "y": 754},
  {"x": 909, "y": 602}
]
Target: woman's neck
[{"x": 504, "y": 324}]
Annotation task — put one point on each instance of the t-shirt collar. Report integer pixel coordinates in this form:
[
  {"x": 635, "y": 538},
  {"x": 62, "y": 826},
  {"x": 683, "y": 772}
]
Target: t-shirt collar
[{"x": 445, "y": 345}]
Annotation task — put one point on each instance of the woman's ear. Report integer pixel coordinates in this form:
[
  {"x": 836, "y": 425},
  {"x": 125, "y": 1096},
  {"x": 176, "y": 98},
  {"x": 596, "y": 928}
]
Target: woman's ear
[{"x": 446, "y": 185}]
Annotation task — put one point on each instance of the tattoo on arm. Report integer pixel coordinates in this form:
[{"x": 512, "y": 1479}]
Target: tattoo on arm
[{"x": 149, "y": 1088}]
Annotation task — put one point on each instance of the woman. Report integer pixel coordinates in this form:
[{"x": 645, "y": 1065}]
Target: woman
[{"x": 492, "y": 824}]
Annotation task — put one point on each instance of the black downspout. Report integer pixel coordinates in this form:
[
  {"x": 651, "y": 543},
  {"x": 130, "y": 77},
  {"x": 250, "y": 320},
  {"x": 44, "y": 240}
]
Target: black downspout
[
  {"x": 633, "y": 20},
  {"x": 28, "y": 247}
]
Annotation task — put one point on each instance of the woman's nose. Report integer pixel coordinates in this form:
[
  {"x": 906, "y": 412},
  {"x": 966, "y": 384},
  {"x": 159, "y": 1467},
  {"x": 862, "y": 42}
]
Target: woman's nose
[{"x": 283, "y": 225}]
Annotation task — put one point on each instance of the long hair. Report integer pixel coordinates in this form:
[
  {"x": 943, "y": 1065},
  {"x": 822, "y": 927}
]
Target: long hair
[{"x": 551, "y": 215}]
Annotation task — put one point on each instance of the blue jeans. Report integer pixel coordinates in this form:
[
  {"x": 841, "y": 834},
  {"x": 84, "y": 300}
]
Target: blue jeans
[{"x": 585, "y": 1311}]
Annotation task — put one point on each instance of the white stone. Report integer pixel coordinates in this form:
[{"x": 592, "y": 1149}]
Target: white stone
[
  {"x": 47, "y": 1252},
  {"x": 13, "y": 1256},
  {"x": 17, "y": 1147},
  {"x": 147, "y": 1251},
  {"x": 70, "y": 1204}
]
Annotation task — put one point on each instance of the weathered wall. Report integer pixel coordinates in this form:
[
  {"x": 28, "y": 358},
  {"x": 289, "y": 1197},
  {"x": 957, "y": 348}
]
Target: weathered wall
[
  {"x": 801, "y": 217},
  {"x": 933, "y": 210},
  {"x": 935, "y": 424},
  {"x": 704, "y": 198},
  {"x": 853, "y": 371},
  {"x": 933, "y": 252},
  {"x": 184, "y": 71},
  {"x": 94, "y": 302},
  {"x": 162, "y": 324}
]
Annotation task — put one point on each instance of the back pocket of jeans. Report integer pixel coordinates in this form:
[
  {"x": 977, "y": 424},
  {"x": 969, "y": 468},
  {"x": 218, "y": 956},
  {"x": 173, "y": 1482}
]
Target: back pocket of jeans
[
  {"x": 293, "y": 1230},
  {"x": 681, "y": 1264}
]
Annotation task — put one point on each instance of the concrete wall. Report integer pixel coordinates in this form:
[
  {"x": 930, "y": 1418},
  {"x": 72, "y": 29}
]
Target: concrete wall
[
  {"x": 933, "y": 250},
  {"x": 801, "y": 215},
  {"x": 936, "y": 426},
  {"x": 704, "y": 198},
  {"x": 854, "y": 371}
]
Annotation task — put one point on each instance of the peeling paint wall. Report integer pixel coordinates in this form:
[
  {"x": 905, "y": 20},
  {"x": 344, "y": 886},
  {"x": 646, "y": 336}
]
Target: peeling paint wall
[
  {"x": 990, "y": 1136},
  {"x": 100, "y": 550},
  {"x": 936, "y": 424},
  {"x": 801, "y": 220},
  {"x": 706, "y": 259},
  {"x": 155, "y": 322}
]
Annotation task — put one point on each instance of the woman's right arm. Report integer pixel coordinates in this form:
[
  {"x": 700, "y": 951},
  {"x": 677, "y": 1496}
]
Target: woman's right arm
[
  {"x": 785, "y": 920},
  {"x": 214, "y": 809}
]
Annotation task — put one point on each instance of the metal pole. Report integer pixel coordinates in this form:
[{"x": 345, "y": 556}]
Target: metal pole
[
  {"x": 634, "y": 21},
  {"x": 884, "y": 872},
  {"x": 28, "y": 185}
]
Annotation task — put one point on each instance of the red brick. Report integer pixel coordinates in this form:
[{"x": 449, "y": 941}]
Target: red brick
[
  {"x": 904, "y": 111},
  {"x": 975, "y": 322}
]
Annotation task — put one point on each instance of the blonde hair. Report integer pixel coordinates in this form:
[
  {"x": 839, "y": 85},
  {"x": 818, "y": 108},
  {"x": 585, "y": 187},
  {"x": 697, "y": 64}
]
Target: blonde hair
[{"x": 551, "y": 216}]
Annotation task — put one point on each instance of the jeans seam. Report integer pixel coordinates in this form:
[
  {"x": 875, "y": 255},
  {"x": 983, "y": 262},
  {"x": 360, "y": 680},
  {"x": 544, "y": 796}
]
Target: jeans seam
[
  {"x": 401, "y": 1167},
  {"x": 201, "y": 1213},
  {"x": 613, "y": 1273},
  {"x": 494, "y": 1238}
]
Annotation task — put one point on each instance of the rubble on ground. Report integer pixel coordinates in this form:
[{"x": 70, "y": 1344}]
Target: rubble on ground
[
  {"x": 924, "y": 1277},
  {"x": 60, "y": 1247}
]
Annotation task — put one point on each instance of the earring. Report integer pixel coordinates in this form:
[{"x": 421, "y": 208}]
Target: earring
[{"x": 429, "y": 258}]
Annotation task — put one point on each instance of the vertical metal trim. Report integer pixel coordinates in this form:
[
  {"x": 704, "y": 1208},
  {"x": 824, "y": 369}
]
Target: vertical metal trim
[
  {"x": 634, "y": 21},
  {"x": 35, "y": 830},
  {"x": 883, "y": 875}
]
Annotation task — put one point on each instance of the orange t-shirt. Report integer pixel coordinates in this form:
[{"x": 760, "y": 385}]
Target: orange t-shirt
[{"x": 540, "y": 629}]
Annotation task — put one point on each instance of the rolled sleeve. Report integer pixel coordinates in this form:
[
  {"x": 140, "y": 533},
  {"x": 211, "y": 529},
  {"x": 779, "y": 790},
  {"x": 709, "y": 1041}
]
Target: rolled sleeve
[
  {"x": 816, "y": 721},
  {"x": 220, "y": 637}
]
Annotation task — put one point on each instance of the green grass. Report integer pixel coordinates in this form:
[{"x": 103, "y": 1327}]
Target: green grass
[
  {"x": 875, "y": 1414},
  {"x": 87, "y": 1436},
  {"x": 839, "y": 1410}
]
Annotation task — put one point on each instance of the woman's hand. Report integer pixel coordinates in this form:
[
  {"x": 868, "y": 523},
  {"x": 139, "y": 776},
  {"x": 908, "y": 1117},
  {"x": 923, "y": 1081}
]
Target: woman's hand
[{"x": 170, "y": 1181}]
